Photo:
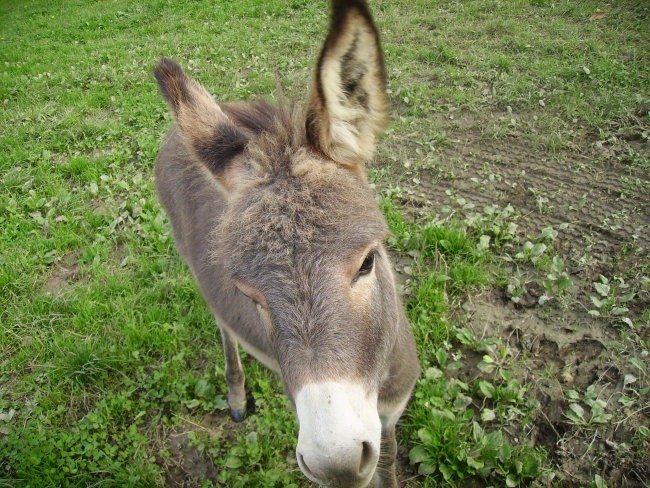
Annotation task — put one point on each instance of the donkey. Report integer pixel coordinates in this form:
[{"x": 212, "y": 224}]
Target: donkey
[{"x": 271, "y": 208}]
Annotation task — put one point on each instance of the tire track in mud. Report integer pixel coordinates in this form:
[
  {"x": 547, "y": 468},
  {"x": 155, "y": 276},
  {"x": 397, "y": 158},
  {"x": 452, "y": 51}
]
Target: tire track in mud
[{"x": 603, "y": 212}]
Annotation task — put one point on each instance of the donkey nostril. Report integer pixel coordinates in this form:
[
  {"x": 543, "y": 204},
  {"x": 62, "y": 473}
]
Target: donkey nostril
[
  {"x": 344, "y": 466},
  {"x": 367, "y": 458},
  {"x": 303, "y": 465}
]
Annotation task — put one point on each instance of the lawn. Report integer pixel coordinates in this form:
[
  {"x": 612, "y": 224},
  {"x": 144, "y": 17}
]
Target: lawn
[{"x": 515, "y": 177}]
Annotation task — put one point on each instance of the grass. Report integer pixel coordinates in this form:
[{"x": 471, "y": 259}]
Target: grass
[{"x": 107, "y": 351}]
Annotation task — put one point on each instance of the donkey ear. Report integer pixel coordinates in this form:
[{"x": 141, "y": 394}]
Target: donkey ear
[
  {"x": 205, "y": 129},
  {"x": 348, "y": 105}
]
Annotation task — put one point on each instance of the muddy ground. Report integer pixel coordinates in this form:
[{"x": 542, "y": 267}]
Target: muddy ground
[{"x": 595, "y": 188}]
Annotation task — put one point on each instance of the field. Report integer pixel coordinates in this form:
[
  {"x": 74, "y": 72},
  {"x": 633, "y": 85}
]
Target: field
[{"x": 515, "y": 177}]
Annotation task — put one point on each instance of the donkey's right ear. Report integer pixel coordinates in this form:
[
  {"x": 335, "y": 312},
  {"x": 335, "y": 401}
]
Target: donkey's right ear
[
  {"x": 348, "y": 107},
  {"x": 205, "y": 129}
]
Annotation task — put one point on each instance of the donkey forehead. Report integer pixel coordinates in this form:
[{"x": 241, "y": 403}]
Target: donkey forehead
[{"x": 311, "y": 210}]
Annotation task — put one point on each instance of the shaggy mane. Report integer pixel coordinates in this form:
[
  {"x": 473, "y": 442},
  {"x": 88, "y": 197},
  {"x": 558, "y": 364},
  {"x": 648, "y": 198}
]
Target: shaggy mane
[{"x": 276, "y": 130}]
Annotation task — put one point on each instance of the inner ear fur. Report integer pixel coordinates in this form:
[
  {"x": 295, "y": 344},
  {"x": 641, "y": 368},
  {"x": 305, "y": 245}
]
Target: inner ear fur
[
  {"x": 348, "y": 106},
  {"x": 205, "y": 129}
]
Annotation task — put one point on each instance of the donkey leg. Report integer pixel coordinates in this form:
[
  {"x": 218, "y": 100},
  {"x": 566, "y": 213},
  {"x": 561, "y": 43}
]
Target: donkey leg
[
  {"x": 386, "y": 474},
  {"x": 234, "y": 377}
]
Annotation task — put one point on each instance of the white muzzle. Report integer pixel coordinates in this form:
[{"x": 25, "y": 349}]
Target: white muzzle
[{"x": 340, "y": 434}]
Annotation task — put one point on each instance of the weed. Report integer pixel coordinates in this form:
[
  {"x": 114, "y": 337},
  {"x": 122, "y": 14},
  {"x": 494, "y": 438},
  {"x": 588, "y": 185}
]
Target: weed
[
  {"x": 531, "y": 252},
  {"x": 455, "y": 426},
  {"x": 557, "y": 282},
  {"x": 596, "y": 414},
  {"x": 613, "y": 296},
  {"x": 496, "y": 224},
  {"x": 453, "y": 446}
]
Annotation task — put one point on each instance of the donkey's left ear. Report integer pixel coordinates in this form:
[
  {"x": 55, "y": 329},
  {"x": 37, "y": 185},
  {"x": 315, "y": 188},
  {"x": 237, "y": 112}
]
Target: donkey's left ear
[
  {"x": 348, "y": 105},
  {"x": 206, "y": 131}
]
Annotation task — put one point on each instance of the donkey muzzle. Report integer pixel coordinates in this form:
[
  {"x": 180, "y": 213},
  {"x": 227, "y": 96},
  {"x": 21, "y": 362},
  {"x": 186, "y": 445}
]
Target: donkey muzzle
[{"x": 340, "y": 434}]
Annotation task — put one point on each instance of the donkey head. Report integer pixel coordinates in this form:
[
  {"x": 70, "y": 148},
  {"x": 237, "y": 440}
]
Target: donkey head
[{"x": 301, "y": 236}]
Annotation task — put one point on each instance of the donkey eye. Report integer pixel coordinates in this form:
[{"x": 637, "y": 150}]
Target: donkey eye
[{"x": 366, "y": 266}]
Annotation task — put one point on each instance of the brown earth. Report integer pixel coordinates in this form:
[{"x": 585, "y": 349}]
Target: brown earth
[
  {"x": 594, "y": 187},
  {"x": 187, "y": 464},
  {"x": 64, "y": 272}
]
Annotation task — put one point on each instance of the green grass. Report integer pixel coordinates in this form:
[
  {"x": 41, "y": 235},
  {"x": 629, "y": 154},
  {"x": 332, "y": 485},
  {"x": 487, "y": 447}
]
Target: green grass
[
  {"x": 106, "y": 348},
  {"x": 543, "y": 59}
]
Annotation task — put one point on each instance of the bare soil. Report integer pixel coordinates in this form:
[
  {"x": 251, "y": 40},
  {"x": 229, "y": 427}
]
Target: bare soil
[
  {"x": 65, "y": 271},
  {"x": 188, "y": 464},
  {"x": 594, "y": 188}
]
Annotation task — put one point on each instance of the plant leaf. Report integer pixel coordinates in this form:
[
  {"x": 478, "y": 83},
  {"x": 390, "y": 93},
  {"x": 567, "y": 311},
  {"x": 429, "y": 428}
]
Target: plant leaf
[
  {"x": 462, "y": 402},
  {"x": 425, "y": 436},
  {"x": 487, "y": 389},
  {"x": 538, "y": 249},
  {"x": 629, "y": 379},
  {"x": 485, "y": 367},
  {"x": 578, "y": 410},
  {"x": 511, "y": 481},
  {"x": 433, "y": 374},
  {"x": 484, "y": 243},
  {"x": 636, "y": 362},
  {"x": 487, "y": 415},
  {"x": 573, "y": 395},
  {"x": 446, "y": 472},
  {"x": 549, "y": 233},
  {"x": 418, "y": 454},
  {"x": 602, "y": 289}
]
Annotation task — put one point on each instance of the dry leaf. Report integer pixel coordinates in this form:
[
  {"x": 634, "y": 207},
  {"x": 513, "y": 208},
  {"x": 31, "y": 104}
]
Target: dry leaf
[{"x": 597, "y": 15}]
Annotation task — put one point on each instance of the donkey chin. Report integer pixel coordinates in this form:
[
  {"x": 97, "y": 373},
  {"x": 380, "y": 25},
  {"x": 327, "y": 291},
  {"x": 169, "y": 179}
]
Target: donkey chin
[{"x": 340, "y": 434}]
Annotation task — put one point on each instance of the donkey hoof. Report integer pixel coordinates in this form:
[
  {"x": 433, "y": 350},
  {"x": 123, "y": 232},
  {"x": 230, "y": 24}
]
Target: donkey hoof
[{"x": 238, "y": 414}]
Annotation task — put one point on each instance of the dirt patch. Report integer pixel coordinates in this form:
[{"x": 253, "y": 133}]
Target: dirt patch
[
  {"x": 188, "y": 463},
  {"x": 65, "y": 272},
  {"x": 604, "y": 200},
  {"x": 557, "y": 353},
  {"x": 568, "y": 343}
]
